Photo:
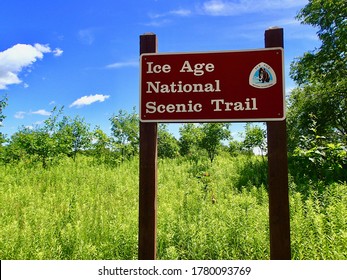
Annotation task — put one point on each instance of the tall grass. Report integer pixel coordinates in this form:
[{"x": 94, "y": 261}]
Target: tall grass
[
  {"x": 71, "y": 211},
  {"x": 319, "y": 224},
  {"x": 77, "y": 210}
]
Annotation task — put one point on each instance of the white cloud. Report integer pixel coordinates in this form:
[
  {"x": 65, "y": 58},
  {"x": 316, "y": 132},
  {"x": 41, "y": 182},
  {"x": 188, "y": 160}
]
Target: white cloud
[
  {"x": 123, "y": 64},
  {"x": 178, "y": 12},
  {"x": 181, "y": 12},
  {"x": 87, "y": 100},
  {"x": 42, "y": 48},
  {"x": 58, "y": 52},
  {"x": 230, "y": 8},
  {"x": 17, "y": 58},
  {"x": 162, "y": 19},
  {"x": 215, "y": 7},
  {"x": 41, "y": 112},
  {"x": 19, "y": 115}
]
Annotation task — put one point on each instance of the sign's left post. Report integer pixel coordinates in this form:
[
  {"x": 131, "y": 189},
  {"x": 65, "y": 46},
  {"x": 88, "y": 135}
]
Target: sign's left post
[{"x": 148, "y": 174}]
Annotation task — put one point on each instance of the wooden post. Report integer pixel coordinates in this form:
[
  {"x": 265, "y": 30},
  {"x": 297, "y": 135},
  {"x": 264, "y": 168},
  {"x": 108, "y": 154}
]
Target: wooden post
[
  {"x": 278, "y": 174},
  {"x": 148, "y": 174}
]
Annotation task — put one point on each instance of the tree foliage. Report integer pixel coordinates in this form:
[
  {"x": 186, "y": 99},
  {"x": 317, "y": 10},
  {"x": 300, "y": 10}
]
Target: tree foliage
[
  {"x": 35, "y": 145},
  {"x": 255, "y": 137},
  {"x": 195, "y": 140},
  {"x": 328, "y": 63},
  {"x": 212, "y": 135},
  {"x": 317, "y": 158},
  {"x": 190, "y": 136},
  {"x": 167, "y": 144},
  {"x": 73, "y": 136},
  {"x": 58, "y": 136},
  {"x": 101, "y": 146},
  {"x": 317, "y": 121},
  {"x": 321, "y": 75},
  {"x": 125, "y": 130},
  {"x": 3, "y": 104},
  {"x": 61, "y": 135}
]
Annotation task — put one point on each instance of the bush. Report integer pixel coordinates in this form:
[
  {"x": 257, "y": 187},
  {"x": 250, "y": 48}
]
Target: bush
[{"x": 319, "y": 158}]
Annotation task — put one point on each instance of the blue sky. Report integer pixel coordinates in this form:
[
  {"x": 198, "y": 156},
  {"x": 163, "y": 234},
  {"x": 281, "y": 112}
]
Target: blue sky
[{"x": 84, "y": 55}]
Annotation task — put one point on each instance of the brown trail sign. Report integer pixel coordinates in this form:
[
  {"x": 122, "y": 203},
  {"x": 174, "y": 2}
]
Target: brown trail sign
[
  {"x": 212, "y": 86},
  {"x": 201, "y": 87}
]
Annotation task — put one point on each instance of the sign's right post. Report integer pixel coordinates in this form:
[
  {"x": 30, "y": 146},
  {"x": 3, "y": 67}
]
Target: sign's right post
[{"x": 278, "y": 174}]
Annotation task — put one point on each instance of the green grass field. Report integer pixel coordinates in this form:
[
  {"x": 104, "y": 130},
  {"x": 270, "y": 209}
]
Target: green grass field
[{"x": 80, "y": 210}]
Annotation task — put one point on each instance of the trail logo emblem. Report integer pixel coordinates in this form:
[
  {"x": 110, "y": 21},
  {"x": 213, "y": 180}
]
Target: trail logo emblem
[{"x": 262, "y": 76}]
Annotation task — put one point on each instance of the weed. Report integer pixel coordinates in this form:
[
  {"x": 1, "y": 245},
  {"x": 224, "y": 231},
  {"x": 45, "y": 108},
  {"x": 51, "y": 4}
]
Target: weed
[{"x": 79, "y": 210}]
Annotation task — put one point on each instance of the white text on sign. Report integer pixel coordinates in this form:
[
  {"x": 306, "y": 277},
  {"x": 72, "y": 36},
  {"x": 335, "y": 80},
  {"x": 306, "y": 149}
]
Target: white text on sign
[{"x": 198, "y": 69}]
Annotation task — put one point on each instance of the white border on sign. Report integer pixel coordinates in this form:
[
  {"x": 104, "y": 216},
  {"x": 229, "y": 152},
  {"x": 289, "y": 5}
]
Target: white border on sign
[{"x": 214, "y": 120}]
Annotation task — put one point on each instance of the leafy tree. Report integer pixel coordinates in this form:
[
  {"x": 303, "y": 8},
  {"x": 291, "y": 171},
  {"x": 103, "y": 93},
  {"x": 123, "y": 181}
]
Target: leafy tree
[
  {"x": 235, "y": 147},
  {"x": 73, "y": 135},
  {"x": 125, "y": 130},
  {"x": 317, "y": 158},
  {"x": 15, "y": 150},
  {"x": 190, "y": 136},
  {"x": 102, "y": 147},
  {"x": 167, "y": 144},
  {"x": 69, "y": 136},
  {"x": 100, "y": 142},
  {"x": 212, "y": 135},
  {"x": 321, "y": 75},
  {"x": 34, "y": 145},
  {"x": 51, "y": 123},
  {"x": 255, "y": 137},
  {"x": 3, "y": 104},
  {"x": 45, "y": 144},
  {"x": 328, "y": 62}
]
